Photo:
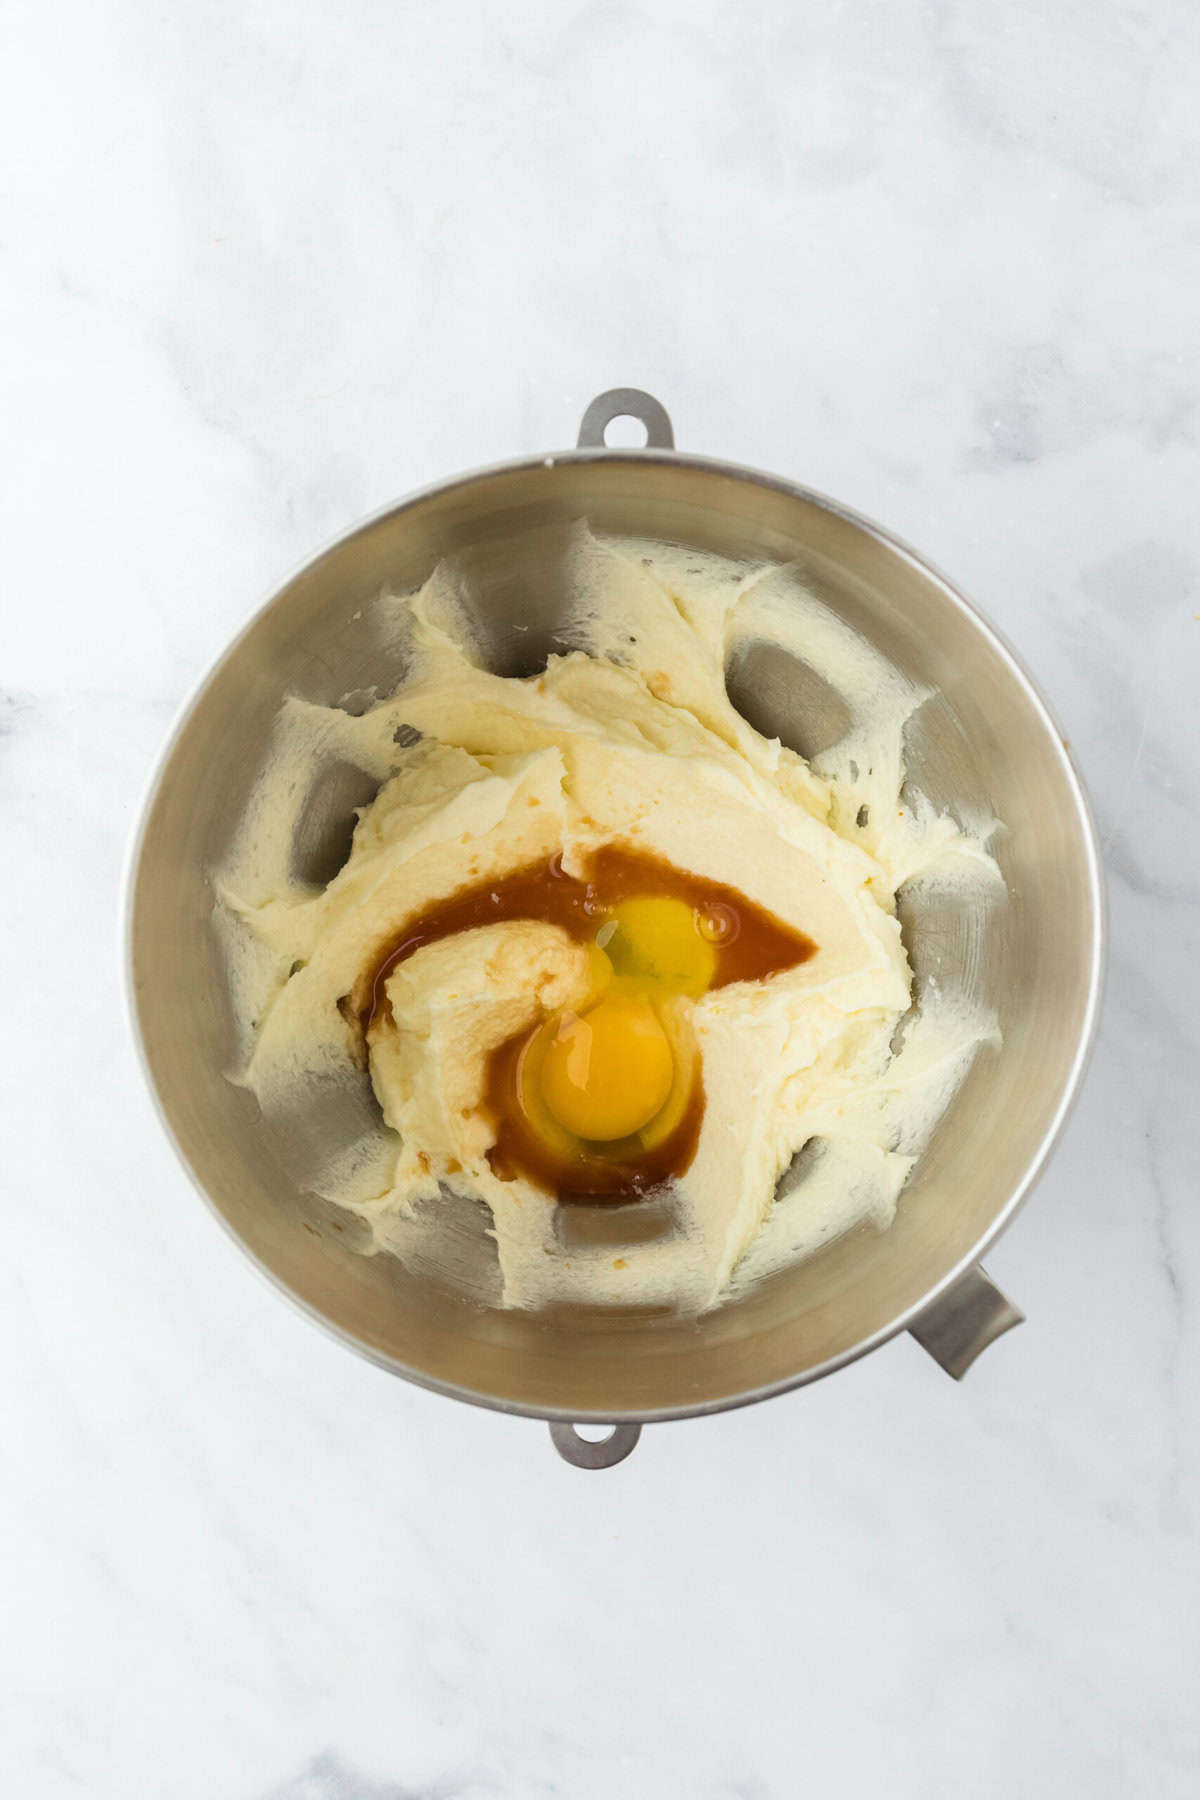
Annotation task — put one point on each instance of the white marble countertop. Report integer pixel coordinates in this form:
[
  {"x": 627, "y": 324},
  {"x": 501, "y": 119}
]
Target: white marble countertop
[{"x": 264, "y": 268}]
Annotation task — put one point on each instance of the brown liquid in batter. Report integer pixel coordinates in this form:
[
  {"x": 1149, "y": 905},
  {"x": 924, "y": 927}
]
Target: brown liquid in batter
[
  {"x": 753, "y": 943},
  {"x": 750, "y": 945}
]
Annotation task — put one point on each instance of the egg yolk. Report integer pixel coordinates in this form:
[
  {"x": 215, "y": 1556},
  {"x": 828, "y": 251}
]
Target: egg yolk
[
  {"x": 658, "y": 939},
  {"x": 608, "y": 1073}
]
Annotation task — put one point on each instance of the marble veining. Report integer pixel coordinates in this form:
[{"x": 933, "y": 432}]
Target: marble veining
[
  {"x": 264, "y": 269},
  {"x": 329, "y": 1777}
]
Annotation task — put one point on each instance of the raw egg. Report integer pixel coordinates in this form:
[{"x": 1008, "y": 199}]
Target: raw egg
[
  {"x": 608, "y": 1073},
  {"x": 604, "y": 1101},
  {"x": 658, "y": 941}
]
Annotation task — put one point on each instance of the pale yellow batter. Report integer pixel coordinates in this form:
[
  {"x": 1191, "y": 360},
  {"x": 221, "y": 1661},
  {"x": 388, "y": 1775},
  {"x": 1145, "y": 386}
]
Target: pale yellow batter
[{"x": 630, "y": 738}]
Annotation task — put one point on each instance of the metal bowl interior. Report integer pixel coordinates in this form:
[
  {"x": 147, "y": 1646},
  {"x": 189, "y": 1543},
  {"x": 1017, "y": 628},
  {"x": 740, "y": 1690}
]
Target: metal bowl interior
[{"x": 983, "y": 743}]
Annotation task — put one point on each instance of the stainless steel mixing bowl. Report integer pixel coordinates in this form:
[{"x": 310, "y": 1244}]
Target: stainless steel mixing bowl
[{"x": 985, "y": 743}]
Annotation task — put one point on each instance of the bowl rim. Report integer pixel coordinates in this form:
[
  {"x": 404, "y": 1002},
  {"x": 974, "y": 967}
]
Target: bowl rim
[{"x": 1097, "y": 954}]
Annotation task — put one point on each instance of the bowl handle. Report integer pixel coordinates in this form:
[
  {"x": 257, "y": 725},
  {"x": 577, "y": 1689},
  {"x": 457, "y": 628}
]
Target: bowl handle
[
  {"x": 968, "y": 1317},
  {"x": 584, "y": 1453},
  {"x": 622, "y": 403}
]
